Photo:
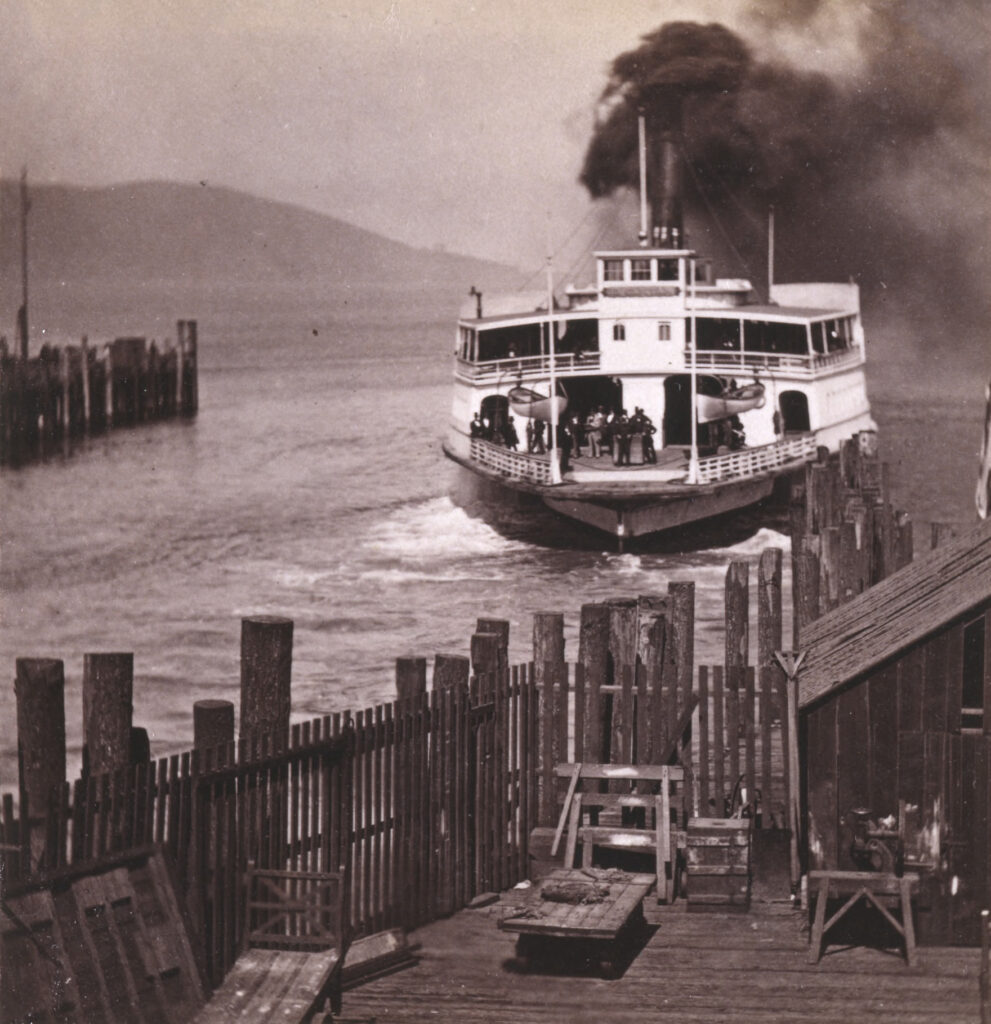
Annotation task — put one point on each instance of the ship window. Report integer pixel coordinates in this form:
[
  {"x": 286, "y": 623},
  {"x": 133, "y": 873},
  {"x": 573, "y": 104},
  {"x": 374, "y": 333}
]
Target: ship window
[
  {"x": 972, "y": 696},
  {"x": 613, "y": 270},
  {"x": 640, "y": 270},
  {"x": 773, "y": 336},
  {"x": 667, "y": 270},
  {"x": 715, "y": 335},
  {"x": 619, "y": 332},
  {"x": 664, "y": 330}
]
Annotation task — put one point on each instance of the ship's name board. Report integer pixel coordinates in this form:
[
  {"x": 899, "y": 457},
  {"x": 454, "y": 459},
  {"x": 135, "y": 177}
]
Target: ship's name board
[{"x": 650, "y": 291}]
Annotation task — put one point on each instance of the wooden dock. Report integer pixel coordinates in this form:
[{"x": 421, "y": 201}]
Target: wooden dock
[{"x": 694, "y": 968}]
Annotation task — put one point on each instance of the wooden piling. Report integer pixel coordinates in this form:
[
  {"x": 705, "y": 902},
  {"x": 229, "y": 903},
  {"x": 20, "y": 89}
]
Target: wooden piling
[
  {"x": 411, "y": 677},
  {"x": 486, "y": 660},
  {"x": 451, "y": 672},
  {"x": 593, "y": 656},
  {"x": 108, "y": 691},
  {"x": 213, "y": 723},
  {"x": 266, "y": 677},
  {"x": 39, "y": 687},
  {"x": 737, "y": 590}
]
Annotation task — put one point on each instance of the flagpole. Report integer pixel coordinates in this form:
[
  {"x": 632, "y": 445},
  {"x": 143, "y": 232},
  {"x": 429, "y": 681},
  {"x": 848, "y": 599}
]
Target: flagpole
[
  {"x": 693, "y": 461},
  {"x": 555, "y": 454}
]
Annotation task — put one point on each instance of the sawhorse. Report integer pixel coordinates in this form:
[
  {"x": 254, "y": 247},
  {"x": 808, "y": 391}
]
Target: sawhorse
[{"x": 879, "y": 888}]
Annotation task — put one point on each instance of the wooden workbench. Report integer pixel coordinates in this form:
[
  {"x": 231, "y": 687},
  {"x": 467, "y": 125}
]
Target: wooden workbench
[{"x": 594, "y": 925}]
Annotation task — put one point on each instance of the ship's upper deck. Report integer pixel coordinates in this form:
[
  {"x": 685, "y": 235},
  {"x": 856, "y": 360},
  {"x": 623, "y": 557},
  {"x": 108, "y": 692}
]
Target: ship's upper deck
[{"x": 651, "y": 311}]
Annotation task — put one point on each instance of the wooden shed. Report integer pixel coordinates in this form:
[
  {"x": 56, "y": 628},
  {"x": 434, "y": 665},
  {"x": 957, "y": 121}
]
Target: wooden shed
[{"x": 895, "y": 709}]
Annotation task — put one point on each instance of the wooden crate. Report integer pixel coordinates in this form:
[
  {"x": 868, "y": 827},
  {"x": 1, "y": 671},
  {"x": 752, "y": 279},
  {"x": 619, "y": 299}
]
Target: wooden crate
[{"x": 717, "y": 853}]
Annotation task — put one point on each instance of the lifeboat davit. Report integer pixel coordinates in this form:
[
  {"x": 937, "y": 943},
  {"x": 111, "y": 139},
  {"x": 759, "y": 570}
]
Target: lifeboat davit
[
  {"x": 536, "y": 406},
  {"x": 729, "y": 403}
]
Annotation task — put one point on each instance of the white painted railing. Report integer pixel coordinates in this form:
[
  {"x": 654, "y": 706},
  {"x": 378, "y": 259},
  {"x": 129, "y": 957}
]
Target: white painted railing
[
  {"x": 527, "y": 367},
  {"x": 749, "y": 461},
  {"x": 518, "y": 465},
  {"x": 750, "y": 362}
]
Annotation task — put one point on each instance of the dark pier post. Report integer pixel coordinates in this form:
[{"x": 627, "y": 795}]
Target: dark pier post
[
  {"x": 84, "y": 358},
  {"x": 681, "y": 651},
  {"x": 108, "y": 687},
  {"x": 266, "y": 678},
  {"x": 188, "y": 376},
  {"x": 451, "y": 672},
  {"x": 213, "y": 723},
  {"x": 486, "y": 649},
  {"x": 593, "y": 657},
  {"x": 623, "y": 642},
  {"x": 549, "y": 670},
  {"x": 500, "y": 627},
  {"x": 39, "y": 687},
  {"x": 411, "y": 678}
]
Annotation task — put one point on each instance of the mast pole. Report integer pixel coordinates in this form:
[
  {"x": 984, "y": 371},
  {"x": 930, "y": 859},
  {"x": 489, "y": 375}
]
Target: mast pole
[
  {"x": 642, "y": 148},
  {"x": 693, "y": 459},
  {"x": 770, "y": 251},
  {"x": 23, "y": 318},
  {"x": 555, "y": 454}
]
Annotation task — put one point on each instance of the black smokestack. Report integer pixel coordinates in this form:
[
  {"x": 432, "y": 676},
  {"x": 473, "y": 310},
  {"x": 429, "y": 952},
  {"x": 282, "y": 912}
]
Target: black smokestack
[
  {"x": 678, "y": 60},
  {"x": 878, "y": 171},
  {"x": 662, "y": 107}
]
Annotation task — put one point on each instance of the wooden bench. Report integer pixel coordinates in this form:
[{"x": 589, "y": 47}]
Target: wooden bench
[
  {"x": 630, "y": 787},
  {"x": 296, "y": 941},
  {"x": 879, "y": 888}
]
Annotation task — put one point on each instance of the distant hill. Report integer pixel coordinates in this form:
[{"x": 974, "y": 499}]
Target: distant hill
[{"x": 181, "y": 234}]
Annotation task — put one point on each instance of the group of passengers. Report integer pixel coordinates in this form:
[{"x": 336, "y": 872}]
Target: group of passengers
[
  {"x": 615, "y": 431},
  {"x": 600, "y": 431},
  {"x": 498, "y": 432}
]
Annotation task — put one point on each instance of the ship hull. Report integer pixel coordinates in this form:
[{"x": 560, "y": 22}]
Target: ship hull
[{"x": 624, "y": 513}]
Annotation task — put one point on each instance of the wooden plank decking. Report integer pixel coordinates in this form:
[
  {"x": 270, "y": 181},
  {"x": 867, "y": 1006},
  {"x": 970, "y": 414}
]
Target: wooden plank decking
[{"x": 746, "y": 968}]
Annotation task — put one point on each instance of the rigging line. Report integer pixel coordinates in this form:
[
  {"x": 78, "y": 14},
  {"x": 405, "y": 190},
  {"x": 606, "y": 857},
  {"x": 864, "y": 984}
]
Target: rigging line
[
  {"x": 574, "y": 231},
  {"x": 717, "y": 221}
]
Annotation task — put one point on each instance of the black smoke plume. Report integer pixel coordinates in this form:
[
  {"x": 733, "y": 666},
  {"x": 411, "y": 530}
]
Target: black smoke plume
[{"x": 881, "y": 174}]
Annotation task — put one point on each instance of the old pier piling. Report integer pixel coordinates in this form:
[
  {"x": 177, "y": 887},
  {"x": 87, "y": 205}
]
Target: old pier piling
[{"x": 68, "y": 392}]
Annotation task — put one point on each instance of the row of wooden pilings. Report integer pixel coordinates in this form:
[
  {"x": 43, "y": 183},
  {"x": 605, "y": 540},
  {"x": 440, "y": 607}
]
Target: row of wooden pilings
[
  {"x": 845, "y": 533},
  {"x": 70, "y": 391},
  {"x": 644, "y": 643}
]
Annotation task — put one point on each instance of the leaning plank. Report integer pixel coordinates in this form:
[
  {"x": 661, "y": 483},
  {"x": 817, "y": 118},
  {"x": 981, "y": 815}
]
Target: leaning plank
[{"x": 271, "y": 985}]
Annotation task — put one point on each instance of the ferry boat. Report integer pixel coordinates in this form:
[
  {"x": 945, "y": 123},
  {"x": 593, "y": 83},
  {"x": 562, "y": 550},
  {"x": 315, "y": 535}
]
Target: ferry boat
[{"x": 728, "y": 390}]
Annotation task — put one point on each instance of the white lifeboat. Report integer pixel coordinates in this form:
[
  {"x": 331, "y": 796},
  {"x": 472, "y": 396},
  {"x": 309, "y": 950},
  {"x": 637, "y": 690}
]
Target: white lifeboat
[
  {"x": 729, "y": 403},
  {"x": 536, "y": 406}
]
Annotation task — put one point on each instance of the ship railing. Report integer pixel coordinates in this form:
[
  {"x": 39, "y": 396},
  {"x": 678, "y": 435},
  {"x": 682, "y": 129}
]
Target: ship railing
[
  {"x": 751, "y": 461},
  {"x": 527, "y": 367},
  {"x": 517, "y": 465},
  {"x": 756, "y": 362}
]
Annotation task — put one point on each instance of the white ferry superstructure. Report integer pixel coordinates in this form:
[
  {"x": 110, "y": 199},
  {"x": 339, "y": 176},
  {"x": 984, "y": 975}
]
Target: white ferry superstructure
[{"x": 659, "y": 332}]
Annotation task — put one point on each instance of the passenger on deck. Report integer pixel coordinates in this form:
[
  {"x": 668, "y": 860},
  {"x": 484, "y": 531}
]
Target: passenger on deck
[
  {"x": 564, "y": 443},
  {"x": 477, "y": 427},
  {"x": 643, "y": 425},
  {"x": 594, "y": 425},
  {"x": 512, "y": 438},
  {"x": 538, "y": 437},
  {"x": 577, "y": 432},
  {"x": 621, "y": 431}
]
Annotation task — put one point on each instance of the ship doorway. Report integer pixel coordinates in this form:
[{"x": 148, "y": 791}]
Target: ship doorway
[
  {"x": 678, "y": 408},
  {"x": 794, "y": 409},
  {"x": 495, "y": 410}
]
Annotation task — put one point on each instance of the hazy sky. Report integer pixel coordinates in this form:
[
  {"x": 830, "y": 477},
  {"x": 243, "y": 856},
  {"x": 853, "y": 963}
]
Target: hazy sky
[{"x": 438, "y": 122}]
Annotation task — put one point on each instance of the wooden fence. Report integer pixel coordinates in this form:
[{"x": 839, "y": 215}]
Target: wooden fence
[{"x": 427, "y": 802}]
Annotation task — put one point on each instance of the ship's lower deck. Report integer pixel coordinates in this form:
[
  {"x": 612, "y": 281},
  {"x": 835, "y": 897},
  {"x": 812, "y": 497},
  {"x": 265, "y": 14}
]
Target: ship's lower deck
[{"x": 624, "y": 501}]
